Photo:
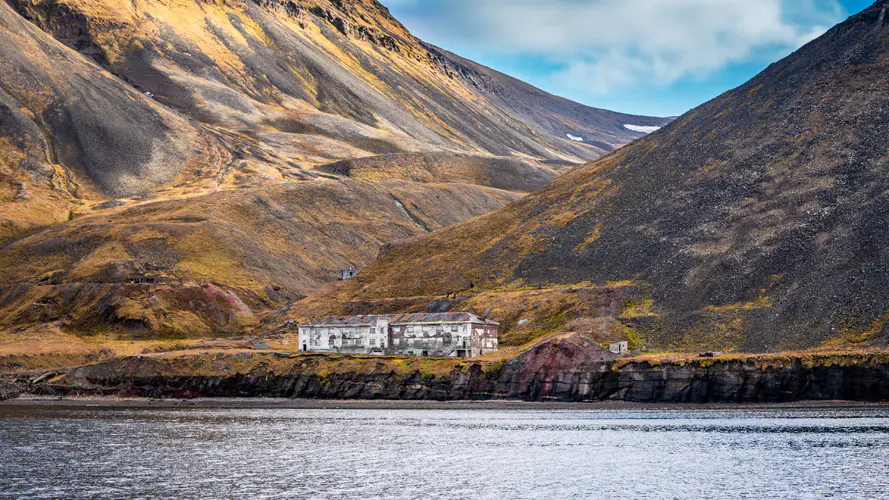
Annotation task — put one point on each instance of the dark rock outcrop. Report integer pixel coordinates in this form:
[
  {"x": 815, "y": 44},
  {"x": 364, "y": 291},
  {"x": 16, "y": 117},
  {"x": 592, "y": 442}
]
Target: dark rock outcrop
[
  {"x": 741, "y": 382},
  {"x": 721, "y": 382},
  {"x": 571, "y": 367},
  {"x": 8, "y": 390}
]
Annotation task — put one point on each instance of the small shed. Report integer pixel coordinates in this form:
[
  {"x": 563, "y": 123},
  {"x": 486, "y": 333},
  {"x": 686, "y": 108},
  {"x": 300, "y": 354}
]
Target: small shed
[
  {"x": 619, "y": 347},
  {"x": 347, "y": 274}
]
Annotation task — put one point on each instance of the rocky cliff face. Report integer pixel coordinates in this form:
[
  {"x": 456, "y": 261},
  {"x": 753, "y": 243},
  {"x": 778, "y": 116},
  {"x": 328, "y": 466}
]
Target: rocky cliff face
[
  {"x": 8, "y": 390},
  {"x": 756, "y": 221},
  {"x": 562, "y": 367},
  {"x": 256, "y": 375}
]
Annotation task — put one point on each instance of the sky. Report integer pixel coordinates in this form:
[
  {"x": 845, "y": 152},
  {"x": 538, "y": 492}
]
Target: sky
[{"x": 646, "y": 57}]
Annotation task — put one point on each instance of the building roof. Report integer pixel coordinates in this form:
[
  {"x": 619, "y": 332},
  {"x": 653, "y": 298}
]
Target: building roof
[
  {"x": 401, "y": 319},
  {"x": 365, "y": 320},
  {"x": 450, "y": 317}
]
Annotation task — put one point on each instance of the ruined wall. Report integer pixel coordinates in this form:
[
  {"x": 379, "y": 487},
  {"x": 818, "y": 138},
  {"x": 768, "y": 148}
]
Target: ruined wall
[
  {"x": 485, "y": 339},
  {"x": 444, "y": 339},
  {"x": 357, "y": 339}
]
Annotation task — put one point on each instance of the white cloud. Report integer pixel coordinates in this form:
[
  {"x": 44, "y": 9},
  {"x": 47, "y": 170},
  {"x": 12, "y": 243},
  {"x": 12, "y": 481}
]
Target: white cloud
[{"x": 604, "y": 44}]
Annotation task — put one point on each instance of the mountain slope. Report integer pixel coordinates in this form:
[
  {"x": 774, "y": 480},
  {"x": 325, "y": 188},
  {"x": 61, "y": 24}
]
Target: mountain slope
[
  {"x": 164, "y": 164},
  {"x": 501, "y": 173},
  {"x": 307, "y": 82},
  {"x": 65, "y": 127},
  {"x": 213, "y": 265},
  {"x": 192, "y": 96},
  {"x": 754, "y": 222}
]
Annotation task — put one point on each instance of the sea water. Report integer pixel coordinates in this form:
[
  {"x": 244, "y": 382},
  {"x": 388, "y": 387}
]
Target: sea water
[{"x": 79, "y": 452}]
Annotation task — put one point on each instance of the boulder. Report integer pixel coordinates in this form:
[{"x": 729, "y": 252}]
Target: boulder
[{"x": 8, "y": 390}]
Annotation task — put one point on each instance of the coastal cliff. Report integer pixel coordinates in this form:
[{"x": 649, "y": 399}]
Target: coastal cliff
[{"x": 564, "y": 369}]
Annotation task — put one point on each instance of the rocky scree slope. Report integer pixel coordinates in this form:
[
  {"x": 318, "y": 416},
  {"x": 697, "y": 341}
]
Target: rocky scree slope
[
  {"x": 755, "y": 222},
  {"x": 65, "y": 126}
]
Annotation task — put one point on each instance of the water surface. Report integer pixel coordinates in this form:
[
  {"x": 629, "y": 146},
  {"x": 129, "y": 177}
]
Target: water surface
[{"x": 53, "y": 452}]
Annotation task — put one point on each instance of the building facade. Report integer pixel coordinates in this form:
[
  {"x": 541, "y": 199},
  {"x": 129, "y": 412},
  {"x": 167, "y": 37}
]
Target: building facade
[
  {"x": 424, "y": 334},
  {"x": 619, "y": 347}
]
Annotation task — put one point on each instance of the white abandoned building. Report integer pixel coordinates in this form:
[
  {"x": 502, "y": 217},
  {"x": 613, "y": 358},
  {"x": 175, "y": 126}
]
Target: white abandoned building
[{"x": 459, "y": 334}]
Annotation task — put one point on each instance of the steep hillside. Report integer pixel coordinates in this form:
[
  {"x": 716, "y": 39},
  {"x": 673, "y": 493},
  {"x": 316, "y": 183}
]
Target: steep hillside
[
  {"x": 211, "y": 266},
  {"x": 754, "y": 222},
  {"x": 188, "y": 143},
  {"x": 277, "y": 86},
  {"x": 66, "y": 125},
  {"x": 115, "y": 99}
]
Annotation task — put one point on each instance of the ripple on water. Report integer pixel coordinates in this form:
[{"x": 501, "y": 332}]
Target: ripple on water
[{"x": 361, "y": 454}]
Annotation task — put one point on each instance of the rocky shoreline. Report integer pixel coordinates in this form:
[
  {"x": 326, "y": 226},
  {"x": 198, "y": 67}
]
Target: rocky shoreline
[
  {"x": 86, "y": 402},
  {"x": 8, "y": 390},
  {"x": 540, "y": 375}
]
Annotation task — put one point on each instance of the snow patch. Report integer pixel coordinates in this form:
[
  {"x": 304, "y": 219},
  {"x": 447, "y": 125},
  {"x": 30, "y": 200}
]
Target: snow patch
[
  {"x": 403, "y": 209},
  {"x": 642, "y": 129},
  {"x": 575, "y": 138}
]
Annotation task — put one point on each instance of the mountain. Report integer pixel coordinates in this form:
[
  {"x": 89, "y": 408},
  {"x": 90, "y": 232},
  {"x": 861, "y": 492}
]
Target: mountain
[
  {"x": 755, "y": 222},
  {"x": 179, "y": 168},
  {"x": 208, "y": 95}
]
